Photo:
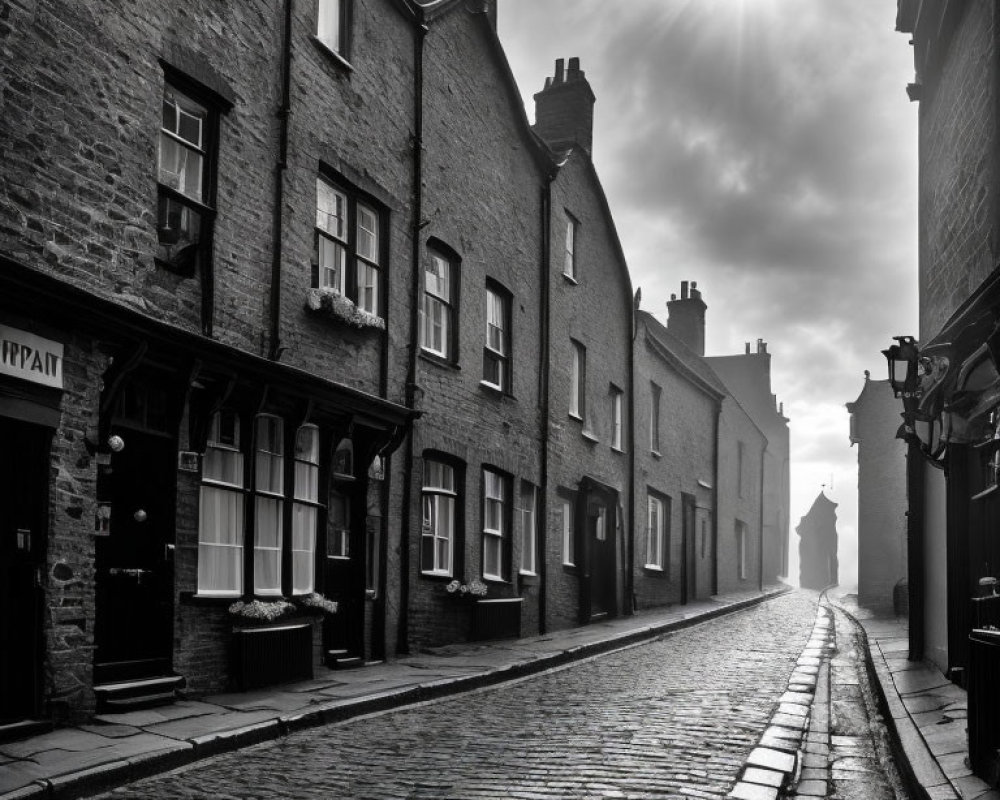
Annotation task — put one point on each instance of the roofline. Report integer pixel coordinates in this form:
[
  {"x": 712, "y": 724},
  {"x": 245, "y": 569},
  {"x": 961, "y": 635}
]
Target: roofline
[{"x": 662, "y": 349}]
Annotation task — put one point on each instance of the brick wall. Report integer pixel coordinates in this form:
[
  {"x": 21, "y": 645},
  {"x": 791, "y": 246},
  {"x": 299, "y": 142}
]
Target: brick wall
[
  {"x": 958, "y": 172},
  {"x": 482, "y": 200},
  {"x": 687, "y": 449},
  {"x": 595, "y": 311},
  {"x": 735, "y": 426}
]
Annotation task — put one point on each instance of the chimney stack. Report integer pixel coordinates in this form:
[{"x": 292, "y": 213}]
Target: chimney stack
[
  {"x": 564, "y": 109},
  {"x": 686, "y": 318}
]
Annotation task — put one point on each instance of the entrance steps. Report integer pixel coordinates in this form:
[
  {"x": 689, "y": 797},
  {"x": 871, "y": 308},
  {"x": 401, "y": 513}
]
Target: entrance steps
[
  {"x": 134, "y": 694},
  {"x": 340, "y": 659}
]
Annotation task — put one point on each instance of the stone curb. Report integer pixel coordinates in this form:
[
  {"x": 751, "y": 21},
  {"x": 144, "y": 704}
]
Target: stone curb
[
  {"x": 908, "y": 746},
  {"x": 187, "y": 751}
]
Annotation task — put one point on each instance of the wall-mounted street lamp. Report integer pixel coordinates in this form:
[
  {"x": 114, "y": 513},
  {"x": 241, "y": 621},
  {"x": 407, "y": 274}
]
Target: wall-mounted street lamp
[
  {"x": 904, "y": 367},
  {"x": 906, "y": 370}
]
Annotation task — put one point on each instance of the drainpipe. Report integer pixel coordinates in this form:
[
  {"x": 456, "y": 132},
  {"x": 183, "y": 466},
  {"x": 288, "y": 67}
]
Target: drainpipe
[
  {"x": 403, "y": 628},
  {"x": 543, "y": 388},
  {"x": 284, "y": 112},
  {"x": 630, "y": 444},
  {"x": 760, "y": 554}
]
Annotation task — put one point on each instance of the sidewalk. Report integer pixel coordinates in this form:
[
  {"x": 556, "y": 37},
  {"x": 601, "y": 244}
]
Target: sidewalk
[
  {"x": 117, "y": 748},
  {"x": 924, "y": 711}
]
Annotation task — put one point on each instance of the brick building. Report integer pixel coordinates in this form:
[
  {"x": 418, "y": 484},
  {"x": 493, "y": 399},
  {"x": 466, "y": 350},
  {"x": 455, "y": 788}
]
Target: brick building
[
  {"x": 881, "y": 496},
  {"x": 296, "y": 307},
  {"x": 949, "y": 391}
]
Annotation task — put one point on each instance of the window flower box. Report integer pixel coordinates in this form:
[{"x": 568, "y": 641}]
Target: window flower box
[{"x": 329, "y": 303}]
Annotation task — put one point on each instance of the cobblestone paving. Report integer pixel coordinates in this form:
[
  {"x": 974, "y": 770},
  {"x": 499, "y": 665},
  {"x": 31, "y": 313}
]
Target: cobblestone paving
[{"x": 672, "y": 718}]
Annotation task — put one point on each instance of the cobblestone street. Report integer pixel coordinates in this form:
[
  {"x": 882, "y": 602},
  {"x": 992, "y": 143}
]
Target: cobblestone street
[{"x": 676, "y": 717}]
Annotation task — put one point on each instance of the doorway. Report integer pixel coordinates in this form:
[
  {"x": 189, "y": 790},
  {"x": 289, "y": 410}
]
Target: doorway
[
  {"x": 134, "y": 549},
  {"x": 24, "y": 473},
  {"x": 689, "y": 550}
]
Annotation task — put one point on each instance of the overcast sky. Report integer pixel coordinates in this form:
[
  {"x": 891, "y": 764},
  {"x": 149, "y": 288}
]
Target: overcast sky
[{"x": 767, "y": 150}]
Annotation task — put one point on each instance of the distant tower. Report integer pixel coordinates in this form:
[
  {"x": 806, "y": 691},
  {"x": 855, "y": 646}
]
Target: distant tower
[{"x": 818, "y": 545}]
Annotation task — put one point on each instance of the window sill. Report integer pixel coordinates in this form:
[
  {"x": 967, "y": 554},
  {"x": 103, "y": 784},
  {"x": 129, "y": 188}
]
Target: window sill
[
  {"x": 653, "y": 568},
  {"x": 439, "y": 361},
  {"x": 495, "y": 391},
  {"x": 656, "y": 454},
  {"x": 338, "y": 60},
  {"x": 577, "y": 417},
  {"x": 529, "y": 578},
  {"x": 210, "y": 600},
  {"x": 570, "y": 568},
  {"x": 617, "y": 450},
  {"x": 590, "y": 436},
  {"x": 570, "y": 279},
  {"x": 437, "y": 577}
]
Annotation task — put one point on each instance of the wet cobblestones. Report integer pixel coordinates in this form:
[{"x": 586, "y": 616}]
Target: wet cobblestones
[{"x": 676, "y": 717}]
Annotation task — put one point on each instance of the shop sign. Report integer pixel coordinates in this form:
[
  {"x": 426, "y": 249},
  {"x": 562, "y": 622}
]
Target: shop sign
[{"x": 32, "y": 358}]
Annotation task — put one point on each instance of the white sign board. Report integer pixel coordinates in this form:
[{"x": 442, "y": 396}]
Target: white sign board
[{"x": 31, "y": 358}]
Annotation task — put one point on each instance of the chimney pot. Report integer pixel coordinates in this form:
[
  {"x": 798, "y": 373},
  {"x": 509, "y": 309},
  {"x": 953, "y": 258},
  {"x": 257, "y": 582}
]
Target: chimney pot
[
  {"x": 564, "y": 109},
  {"x": 748, "y": 348},
  {"x": 560, "y": 75},
  {"x": 684, "y": 290},
  {"x": 673, "y": 296},
  {"x": 574, "y": 64}
]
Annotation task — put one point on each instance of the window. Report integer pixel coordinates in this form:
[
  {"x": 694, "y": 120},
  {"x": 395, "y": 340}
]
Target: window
[
  {"x": 655, "y": 527},
  {"x": 741, "y": 550},
  {"x": 281, "y": 564},
  {"x": 496, "y": 524},
  {"x": 654, "y": 418},
  {"x": 616, "y": 417},
  {"x": 577, "y": 390},
  {"x": 496, "y": 353},
  {"x": 529, "y": 534},
  {"x": 568, "y": 537},
  {"x": 338, "y": 542},
  {"x": 438, "y": 328},
  {"x": 185, "y": 180},
  {"x": 569, "y": 262},
  {"x": 305, "y": 509},
  {"x": 437, "y": 539},
  {"x": 739, "y": 469},
  {"x": 332, "y": 24},
  {"x": 220, "y": 525},
  {"x": 269, "y": 476},
  {"x": 348, "y": 252}
]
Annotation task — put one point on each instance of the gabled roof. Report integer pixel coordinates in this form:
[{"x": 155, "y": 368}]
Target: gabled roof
[{"x": 682, "y": 358}]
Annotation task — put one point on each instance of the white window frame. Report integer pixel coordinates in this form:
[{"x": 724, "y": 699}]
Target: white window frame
[
  {"x": 617, "y": 396},
  {"x": 368, "y": 271},
  {"x": 655, "y": 529},
  {"x": 741, "y": 550},
  {"x": 655, "y": 394},
  {"x": 568, "y": 537},
  {"x": 569, "y": 260},
  {"x": 331, "y": 25},
  {"x": 437, "y": 312},
  {"x": 497, "y": 344},
  {"x": 529, "y": 529},
  {"x": 578, "y": 389},
  {"x": 229, "y": 456},
  {"x": 331, "y": 233},
  {"x": 495, "y": 500},
  {"x": 433, "y": 496},
  {"x": 270, "y": 495},
  {"x": 306, "y": 510}
]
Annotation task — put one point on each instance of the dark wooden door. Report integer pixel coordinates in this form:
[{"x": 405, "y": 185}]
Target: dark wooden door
[
  {"x": 689, "y": 552},
  {"x": 601, "y": 543},
  {"x": 24, "y": 456},
  {"x": 344, "y": 572},
  {"x": 134, "y": 561}
]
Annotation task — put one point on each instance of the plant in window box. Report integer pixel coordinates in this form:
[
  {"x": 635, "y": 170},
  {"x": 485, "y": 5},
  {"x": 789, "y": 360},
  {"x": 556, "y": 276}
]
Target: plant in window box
[
  {"x": 467, "y": 591},
  {"x": 315, "y": 603},
  {"x": 342, "y": 309},
  {"x": 261, "y": 610}
]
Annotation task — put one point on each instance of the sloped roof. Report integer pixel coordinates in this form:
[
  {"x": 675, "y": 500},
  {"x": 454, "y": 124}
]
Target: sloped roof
[{"x": 688, "y": 363}]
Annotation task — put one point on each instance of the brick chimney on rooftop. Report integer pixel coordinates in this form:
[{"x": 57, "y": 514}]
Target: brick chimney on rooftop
[
  {"x": 686, "y": 318},
  {"x": 564, "y": 109}
]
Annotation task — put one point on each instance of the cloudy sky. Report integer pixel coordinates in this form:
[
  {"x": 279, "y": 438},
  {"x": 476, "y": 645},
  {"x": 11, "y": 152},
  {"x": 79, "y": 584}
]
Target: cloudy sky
[{"x": 767, "y": 150}]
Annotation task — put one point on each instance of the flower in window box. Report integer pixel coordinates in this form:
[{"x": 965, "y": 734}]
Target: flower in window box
[
  {"x": 316, "y": 602},
  {"x": 342, "y": 309},
  {"x": 471, "y": 590},
  {"x": 261, "y": 610}
]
